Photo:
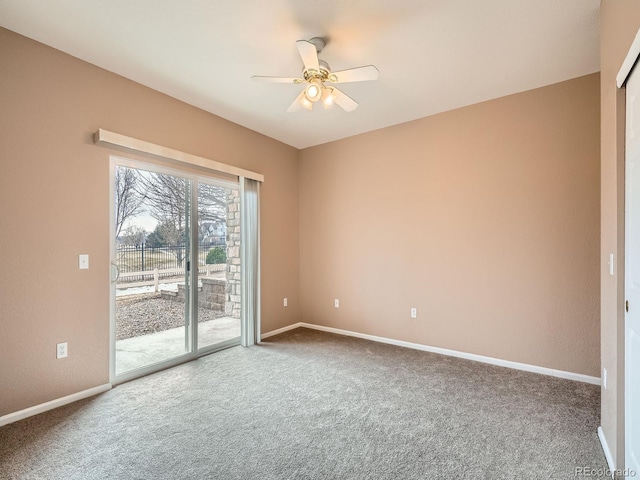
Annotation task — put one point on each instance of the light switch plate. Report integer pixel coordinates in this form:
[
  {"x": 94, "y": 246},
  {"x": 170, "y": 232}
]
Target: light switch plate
[
  {"x": 611, "y": 264},
  {"x": 83, "y": 261}
]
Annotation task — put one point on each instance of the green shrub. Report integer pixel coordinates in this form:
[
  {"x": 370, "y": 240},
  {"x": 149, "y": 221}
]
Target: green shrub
[{"x": 216, "y": 255}]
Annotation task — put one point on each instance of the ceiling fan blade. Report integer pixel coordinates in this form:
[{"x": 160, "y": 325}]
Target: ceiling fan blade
[
  {"x": 309, "y": 55},
  {"x": 347, "y": 103},
  {"x": 358, "y": 74},
  {"x": 278, "y": 79},
  {"x": 297, "y": 104}
]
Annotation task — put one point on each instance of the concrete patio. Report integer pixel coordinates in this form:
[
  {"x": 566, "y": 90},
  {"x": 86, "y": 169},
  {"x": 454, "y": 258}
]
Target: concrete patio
[{"x": 141, "y": 351}]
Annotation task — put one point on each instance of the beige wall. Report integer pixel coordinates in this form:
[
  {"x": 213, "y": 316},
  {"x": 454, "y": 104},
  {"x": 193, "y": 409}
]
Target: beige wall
[
  {"x": 54, "y": 204},
  {"x": 619, "y": 22},
  {"x": 485, "y": 218}
]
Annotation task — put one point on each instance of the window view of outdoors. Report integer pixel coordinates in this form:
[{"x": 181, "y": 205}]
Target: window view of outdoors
[{"x": 153, "y": 231}]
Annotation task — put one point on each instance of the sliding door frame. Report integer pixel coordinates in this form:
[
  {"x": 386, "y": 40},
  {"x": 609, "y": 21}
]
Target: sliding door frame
[
  {"x": 233, "y": 342},
  {"x": 191, "y": 323}
]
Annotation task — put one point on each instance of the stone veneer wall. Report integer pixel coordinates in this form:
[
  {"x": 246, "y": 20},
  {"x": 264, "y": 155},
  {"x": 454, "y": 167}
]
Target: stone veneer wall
[
  {"x": 211, "y": 294},
  {"x": 218, "y": 294},
  {"x": 234, "y": 268}
]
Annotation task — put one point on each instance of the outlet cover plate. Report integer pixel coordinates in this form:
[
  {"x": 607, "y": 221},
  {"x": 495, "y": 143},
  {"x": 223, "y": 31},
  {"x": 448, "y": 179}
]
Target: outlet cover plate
[{"x": 61, "y": 350}]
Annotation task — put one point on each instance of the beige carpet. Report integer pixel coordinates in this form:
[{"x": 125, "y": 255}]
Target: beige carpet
[{"x": 312, "y": 405}]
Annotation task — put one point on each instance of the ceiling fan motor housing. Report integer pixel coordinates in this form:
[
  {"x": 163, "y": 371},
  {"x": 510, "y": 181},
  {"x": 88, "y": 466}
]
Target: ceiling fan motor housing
[{"x": 323, "y": 74}]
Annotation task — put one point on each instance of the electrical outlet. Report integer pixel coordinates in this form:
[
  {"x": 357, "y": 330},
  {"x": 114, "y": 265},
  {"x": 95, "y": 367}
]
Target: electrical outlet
[
  {"x": 604, "y": 378},
  {"x": 284, "y": 301},
  {"x": 61, "y": 350},
  {"x": 336, "y": 303},
  {"x": 414, "y": 313}
]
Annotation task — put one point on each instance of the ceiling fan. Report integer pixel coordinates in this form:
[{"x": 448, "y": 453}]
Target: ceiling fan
[{"x": 316, "y": 74}]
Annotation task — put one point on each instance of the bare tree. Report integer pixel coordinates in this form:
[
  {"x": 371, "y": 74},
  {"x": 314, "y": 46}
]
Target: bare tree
[
  {"x": 212, "y": 204},
  {"x": 166, "y": 198},
  {"x": 212, "y": 211},
  {"x": 165, "y": 195},
  {"x": 128, "y": 199},
  {"x": 134, "y": 235}
]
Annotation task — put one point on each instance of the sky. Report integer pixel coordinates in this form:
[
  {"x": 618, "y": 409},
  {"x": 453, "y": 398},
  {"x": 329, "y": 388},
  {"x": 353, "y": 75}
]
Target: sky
[{"x": 143, "y": 220}]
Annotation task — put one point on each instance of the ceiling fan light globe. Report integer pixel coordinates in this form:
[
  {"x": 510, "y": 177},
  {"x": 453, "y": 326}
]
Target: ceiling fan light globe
[
  {"x": 306, "y": 103},
  {"x": 313, "y": 92},
  {"x": 327, "y": 97}
]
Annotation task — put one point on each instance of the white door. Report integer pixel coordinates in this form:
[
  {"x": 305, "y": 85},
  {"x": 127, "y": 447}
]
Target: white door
[{"x": 632, "y": 275}]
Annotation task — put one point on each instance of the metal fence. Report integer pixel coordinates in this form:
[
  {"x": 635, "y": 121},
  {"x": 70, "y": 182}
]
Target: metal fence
[{"x": 142, "y": 258}]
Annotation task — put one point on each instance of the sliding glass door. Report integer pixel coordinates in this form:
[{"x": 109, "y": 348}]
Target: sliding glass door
[
  {"x": 219, "y": 271},
  {"x": 175, "y": 267}
]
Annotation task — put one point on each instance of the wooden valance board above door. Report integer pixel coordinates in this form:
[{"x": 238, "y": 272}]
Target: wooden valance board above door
[{"x": 105, "y": 137}]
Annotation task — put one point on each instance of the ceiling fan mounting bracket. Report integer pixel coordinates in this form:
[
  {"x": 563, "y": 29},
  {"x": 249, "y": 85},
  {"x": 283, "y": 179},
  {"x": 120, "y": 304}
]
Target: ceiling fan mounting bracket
[{"x": 319, "y": 43}]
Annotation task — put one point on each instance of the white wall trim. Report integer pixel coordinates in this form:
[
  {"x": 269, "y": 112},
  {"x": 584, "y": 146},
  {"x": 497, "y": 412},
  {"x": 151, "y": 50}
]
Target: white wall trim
[
  {"x": 281, "y": 330},
  {"x": 629, "y": 61},
  {"x": 59, "y": 402},
  {"x": 43, "y": 407},
  {"x": 578, "y": 377},
  {"x": 607, "y": 452}
]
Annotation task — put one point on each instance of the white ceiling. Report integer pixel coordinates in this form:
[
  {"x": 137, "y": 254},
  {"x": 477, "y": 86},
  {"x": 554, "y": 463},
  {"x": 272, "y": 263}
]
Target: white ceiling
[{"x": 433, "y": 55}]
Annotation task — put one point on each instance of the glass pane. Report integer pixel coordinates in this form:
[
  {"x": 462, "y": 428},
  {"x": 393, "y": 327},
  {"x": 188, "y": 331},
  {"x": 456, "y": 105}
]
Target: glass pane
[
  {"x": 218, "y": 264},
  {"x": 152, "y": 229}
]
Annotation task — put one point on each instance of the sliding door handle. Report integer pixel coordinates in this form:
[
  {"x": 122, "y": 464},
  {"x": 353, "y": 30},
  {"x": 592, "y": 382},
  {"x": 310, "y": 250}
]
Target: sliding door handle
[{"x": 115, "y": 272}]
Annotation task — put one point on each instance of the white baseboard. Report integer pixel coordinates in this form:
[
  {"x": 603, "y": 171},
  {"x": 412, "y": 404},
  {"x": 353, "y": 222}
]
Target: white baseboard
[
  {"x": 578, "y": 377},
  {"x": 607, "y": 452},
  {"x": 280, "y": 330},
  {"x": 43, "y": 407},
  {"x": 58, "y": 402}
]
